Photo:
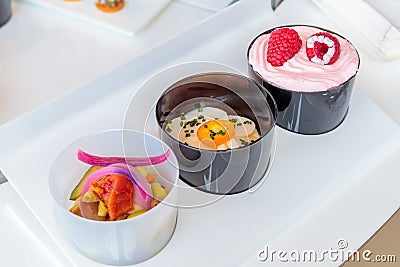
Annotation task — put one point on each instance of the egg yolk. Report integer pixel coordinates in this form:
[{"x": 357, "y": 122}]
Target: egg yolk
[{"x": 219, "y": 131}]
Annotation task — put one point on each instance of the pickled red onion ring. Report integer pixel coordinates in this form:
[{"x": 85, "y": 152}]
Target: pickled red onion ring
[{"x": 105, "y": 161}]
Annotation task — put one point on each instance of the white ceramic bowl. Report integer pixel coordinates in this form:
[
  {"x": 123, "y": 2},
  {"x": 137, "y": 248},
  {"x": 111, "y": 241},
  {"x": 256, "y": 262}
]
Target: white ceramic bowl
[{"x": 122, "y": 242}]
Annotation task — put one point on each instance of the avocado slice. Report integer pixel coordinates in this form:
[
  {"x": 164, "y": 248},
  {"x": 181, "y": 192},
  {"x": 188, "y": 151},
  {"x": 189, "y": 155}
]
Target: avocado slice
[{"x": 77, "y": 192}]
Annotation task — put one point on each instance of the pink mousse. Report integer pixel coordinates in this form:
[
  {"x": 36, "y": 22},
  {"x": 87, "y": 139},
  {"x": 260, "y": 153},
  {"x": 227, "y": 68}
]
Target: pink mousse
[{"x": 299, "y": 73}]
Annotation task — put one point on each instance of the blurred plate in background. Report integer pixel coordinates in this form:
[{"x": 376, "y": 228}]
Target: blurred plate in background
[{"x": 135, "y": 15}]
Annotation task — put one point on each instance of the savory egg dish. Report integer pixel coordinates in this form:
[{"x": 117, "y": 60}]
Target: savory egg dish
[{"x": 212, "y": 129}]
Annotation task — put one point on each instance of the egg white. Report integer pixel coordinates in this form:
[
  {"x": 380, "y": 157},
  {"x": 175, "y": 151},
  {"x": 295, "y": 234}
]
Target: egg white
[
  {"x": 244, "y": 133},
  {"x": 242, "y": 128}
]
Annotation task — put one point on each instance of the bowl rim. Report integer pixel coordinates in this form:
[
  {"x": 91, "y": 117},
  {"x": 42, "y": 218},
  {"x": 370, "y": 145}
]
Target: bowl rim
[
  {"x": 174, "y": 184},
  {"x": 274, "y": 112}
]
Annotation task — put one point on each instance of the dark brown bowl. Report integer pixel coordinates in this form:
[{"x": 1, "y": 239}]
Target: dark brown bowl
[
  {"x": 308, "y": 113},
  {"x": 224, "y": 171}
]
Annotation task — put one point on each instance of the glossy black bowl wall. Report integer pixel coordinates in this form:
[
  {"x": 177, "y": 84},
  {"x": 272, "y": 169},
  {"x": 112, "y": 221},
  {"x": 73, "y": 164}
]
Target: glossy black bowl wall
[
  {"x": 310, "y": 113},
  {"x": 5, "y": 11},
  {"x": 225, "y": 171}
]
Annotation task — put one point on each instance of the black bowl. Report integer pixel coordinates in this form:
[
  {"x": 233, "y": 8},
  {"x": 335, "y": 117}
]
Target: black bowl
[
  {"x": 308, "y": 113},
  {"x": 5, "y": 11},
  {"x": 224, "y": 171}
]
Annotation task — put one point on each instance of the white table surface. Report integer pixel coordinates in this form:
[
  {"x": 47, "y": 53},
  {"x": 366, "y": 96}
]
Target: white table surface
[
  {"x": 353, "y": 213},
  {"x": 44, "y": 53}
]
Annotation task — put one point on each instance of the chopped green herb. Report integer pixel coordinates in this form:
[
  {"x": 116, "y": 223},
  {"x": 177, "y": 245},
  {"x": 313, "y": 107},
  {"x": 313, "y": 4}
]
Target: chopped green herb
[
  {"x": 206, "y": 126},
  {"x": 212, "y": 134},
  {"x": 244, "y": 142},
  {"x": 183, "y": 116},
  {"x": 186, "y": 131},
  {"x": 239, "y": 124},
  {"x": 221, "y": 132},
  {"x": 217, "y": 118},
  {"x": 200, "y": 117},
  {"x": 197, "y": 124},
  {"x": 191, "y": 123},
  {"x": 203, "y": 120},
  {"x": 181, "y": 123},
  {"x": 168, "y": 129},
  {"x": 233, "y": 120},
  {"x": 200, "y": 109},
  {"x": 191, "y": 131},
  {"x": 169, "y": 122},
  {"x": 187, "y": 134},
  {"x": 248, "y": 122}
]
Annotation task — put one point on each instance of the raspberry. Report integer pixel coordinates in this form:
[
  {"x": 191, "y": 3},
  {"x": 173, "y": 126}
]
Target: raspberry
[
  {"x": 283, "y": 44},
  {"x": 323, "y": 48}
]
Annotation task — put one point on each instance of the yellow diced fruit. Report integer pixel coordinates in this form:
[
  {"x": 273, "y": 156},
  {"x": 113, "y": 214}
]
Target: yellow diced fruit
[
  {"x": 90, "y": 196},
  {"x": 158, "y": 191},
  {"x": 143, "y": 170},
  {"x": 137, "y": 213},
  {"x": 75, "y": 208},
  {"x": 102, "y": 210}
]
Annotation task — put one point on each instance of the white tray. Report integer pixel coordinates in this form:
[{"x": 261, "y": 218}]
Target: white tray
[
  {"x": 227, "y": 232},
  {"x": 23, "y": 239}
]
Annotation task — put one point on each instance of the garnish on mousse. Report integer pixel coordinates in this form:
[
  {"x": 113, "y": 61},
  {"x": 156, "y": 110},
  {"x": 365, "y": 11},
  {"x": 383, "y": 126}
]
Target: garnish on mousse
[
  {"x": 212, "y": 128},
  {"x": 116, "y": 188},
  {"x": 323, "y": 48},
  {"x": 283, "y": 44}
]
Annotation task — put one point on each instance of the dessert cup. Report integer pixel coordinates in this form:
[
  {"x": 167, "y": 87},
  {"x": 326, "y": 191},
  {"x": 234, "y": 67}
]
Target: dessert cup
[
  {"x": 308, "y": 111},
  {"x": 221, "y": 171},
  {"x": 123, "y": 242}
]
